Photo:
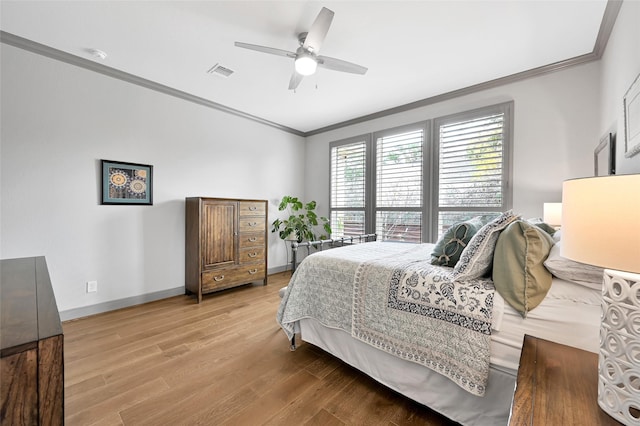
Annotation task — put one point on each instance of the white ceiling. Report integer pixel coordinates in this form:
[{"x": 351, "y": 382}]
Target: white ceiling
[{"x": 414, "y": 49}]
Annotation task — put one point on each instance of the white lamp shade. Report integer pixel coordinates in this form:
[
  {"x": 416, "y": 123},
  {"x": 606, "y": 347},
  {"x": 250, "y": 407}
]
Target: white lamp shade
[
  {"x": 601, "y": 221},
  {"x": 305, "y": 65},
  {"x": 552, "y": 213}
]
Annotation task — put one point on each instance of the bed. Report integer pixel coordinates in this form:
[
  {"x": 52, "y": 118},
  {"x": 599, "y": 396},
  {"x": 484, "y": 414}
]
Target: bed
[{"x": 447, "y": 340}]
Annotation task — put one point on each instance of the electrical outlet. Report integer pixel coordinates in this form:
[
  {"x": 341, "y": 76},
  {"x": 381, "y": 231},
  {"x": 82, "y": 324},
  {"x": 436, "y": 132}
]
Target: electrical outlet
[{"x": 92, "y": 286}]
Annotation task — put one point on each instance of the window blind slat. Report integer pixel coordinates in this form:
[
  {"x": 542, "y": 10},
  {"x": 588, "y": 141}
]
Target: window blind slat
[
  {"x": 348, "y": 175},
  {"x": 348, "y": 189},
  {"x": 399, "y": 184},
  {"x": 470, "y": 167}
]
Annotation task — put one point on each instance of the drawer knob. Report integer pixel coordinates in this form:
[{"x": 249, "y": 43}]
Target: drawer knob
[
  {"x": 253, "y": 271},
  {"x": 253, "y": 208},
  {"x": 252, "y": 223},
  {"x": 254, "y": 254},
  {"x": 253, "y": 239},
  {"x": 218, "y": 278}
]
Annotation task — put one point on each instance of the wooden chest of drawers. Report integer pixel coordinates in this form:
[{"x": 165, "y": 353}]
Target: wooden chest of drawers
[{"x": 225, "y": 243}]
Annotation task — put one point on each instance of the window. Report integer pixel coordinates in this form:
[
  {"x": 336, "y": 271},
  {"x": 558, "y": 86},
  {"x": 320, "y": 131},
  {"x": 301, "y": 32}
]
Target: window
[
  {"x": 399, "y": 184},
  {"x": 410, "y": 184},
  {"x": 471, "y": 165},
  {"x": 348, "y": 189}
]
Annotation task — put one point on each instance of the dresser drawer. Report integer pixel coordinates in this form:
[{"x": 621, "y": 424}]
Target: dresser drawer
[
  {"x": 227, "y": 277},
  {"x": 251, "y": 239},
  {"x": 251, "y": 224},
  {"x": 249, "y": 208},
  {"x": 251, "y": 254}
]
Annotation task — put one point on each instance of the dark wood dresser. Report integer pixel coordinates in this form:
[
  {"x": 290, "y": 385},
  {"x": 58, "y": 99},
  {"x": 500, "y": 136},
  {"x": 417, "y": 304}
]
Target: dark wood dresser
[
  {"x": 225, "y": 243},
  {"x": 31, "y": 342}
]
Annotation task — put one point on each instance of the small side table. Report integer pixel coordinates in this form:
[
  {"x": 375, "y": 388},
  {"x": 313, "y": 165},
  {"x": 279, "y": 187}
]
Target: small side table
[{"x": 557, "y": 385}]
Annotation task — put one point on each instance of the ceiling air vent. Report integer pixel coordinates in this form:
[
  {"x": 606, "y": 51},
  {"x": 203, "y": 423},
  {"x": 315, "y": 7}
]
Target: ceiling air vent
[{"x": 218, "y": 69}]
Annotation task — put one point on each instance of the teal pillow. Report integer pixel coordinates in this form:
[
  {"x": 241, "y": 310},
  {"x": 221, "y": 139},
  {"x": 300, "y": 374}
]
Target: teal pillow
[
  {"x": 519, "y": 274},
  {"x": 448, "y": 249}
]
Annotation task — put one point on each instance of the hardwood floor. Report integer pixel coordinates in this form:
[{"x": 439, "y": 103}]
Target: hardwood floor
[{"x": 224, "y": 361}]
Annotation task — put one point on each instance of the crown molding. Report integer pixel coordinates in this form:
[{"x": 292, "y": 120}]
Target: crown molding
[
  {"x": 606, "y": 26},
  {"x": 50, "y": 52}
]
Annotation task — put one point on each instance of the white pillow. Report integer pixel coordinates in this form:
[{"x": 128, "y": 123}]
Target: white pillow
[
  {"x": 576, "y": 272},
  {"x": 576, "y": 293}
]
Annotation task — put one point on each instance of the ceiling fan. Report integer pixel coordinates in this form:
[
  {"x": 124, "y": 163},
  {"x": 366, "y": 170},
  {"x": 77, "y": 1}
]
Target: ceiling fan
[{"x": 306, "y": 58}]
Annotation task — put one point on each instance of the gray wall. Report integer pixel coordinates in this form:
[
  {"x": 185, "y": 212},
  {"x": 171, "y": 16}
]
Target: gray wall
[
  {"x": 59, "y": 120},
  {"x": 620, "y": 65}
]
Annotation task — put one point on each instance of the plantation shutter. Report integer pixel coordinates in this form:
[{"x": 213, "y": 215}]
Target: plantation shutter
[
  {"x": 411, "y": 183},
  {"x": 348, "y": 190},
  {"x": 471, "y": 167},
  {"x": 399, "y": 185}
]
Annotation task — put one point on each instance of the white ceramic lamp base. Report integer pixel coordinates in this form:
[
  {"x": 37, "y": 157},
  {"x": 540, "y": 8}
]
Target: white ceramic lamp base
[{"x": 619, "y": 361}]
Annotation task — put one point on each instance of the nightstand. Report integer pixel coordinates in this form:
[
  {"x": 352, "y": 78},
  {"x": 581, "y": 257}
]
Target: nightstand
[{"x": 557, "y": 385}]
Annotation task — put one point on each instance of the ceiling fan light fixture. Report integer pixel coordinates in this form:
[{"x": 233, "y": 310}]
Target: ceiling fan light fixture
[{"x": 305, "y": 64}]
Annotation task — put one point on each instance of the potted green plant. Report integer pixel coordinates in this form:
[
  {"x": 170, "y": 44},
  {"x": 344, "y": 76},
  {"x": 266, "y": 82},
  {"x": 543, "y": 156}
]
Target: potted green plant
[{"x": 302, "y": 222}]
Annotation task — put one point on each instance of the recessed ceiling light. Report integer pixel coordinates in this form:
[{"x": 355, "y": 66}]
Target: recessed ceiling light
[{"x": 96, "y": 53}]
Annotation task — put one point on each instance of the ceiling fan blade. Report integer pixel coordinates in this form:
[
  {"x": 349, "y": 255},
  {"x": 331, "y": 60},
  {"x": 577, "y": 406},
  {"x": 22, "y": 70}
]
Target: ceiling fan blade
[
  {"x": 340, "y": 65},
  {"x": 265, "y": 49},
  {"x": 318, "y": 31},
  {"x": 295, "y": 80}
]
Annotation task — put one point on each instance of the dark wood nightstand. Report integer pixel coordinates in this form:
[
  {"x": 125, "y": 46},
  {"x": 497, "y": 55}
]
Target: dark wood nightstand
[{"x": 557, "y": 385}]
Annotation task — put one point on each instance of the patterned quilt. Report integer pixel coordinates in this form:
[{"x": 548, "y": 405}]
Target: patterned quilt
[{"x": 389, "y": 296}]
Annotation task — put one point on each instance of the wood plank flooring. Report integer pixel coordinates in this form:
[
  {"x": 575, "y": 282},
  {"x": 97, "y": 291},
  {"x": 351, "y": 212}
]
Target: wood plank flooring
[{"x": 224, "y": 361}]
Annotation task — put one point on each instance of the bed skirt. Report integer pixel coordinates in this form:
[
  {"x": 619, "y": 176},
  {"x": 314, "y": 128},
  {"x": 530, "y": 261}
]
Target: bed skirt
[{"x": 417, "y": 382}]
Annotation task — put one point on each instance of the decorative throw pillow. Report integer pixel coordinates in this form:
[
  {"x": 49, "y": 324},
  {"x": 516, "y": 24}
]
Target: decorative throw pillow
[
  {"x": 519, "y": 274},
  {"x": 448, "y": 249},
  {"x": 576, "y": 272},
  {"x": 477, "y": 257}
]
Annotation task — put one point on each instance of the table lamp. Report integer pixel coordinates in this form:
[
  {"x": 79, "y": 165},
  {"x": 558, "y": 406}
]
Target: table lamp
[
  {"x": 552, "y": 214},
  {"x": 601, "y": 226}
]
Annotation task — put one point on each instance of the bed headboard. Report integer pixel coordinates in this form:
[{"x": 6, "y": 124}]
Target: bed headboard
[{"x": 327, "y": 244}]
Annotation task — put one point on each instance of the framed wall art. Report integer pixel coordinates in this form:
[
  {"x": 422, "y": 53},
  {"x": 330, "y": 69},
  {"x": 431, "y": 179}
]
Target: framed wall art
[
  {"x": 632, "y": 119},
  {"x": 604, "y": 156},
  {"x": 127, "y": 183}
]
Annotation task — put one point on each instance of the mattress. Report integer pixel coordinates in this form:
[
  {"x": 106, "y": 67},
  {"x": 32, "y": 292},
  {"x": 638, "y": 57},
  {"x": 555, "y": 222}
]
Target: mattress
[{"x": 569, "y": 314}]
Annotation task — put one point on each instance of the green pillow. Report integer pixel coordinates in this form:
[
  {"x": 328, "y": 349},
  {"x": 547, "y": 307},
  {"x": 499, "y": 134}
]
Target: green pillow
[
  {"x": 448, "y": 249},
  {"x": 519, "y": 274},
  {"x": 542, "y": 225}
]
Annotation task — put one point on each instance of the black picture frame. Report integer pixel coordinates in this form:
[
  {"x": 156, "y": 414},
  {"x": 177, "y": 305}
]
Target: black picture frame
[
  {"x": 126, "y": 183},
  {"x": 632, "y": 119},
  {"x": 604, "y": 156}
]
